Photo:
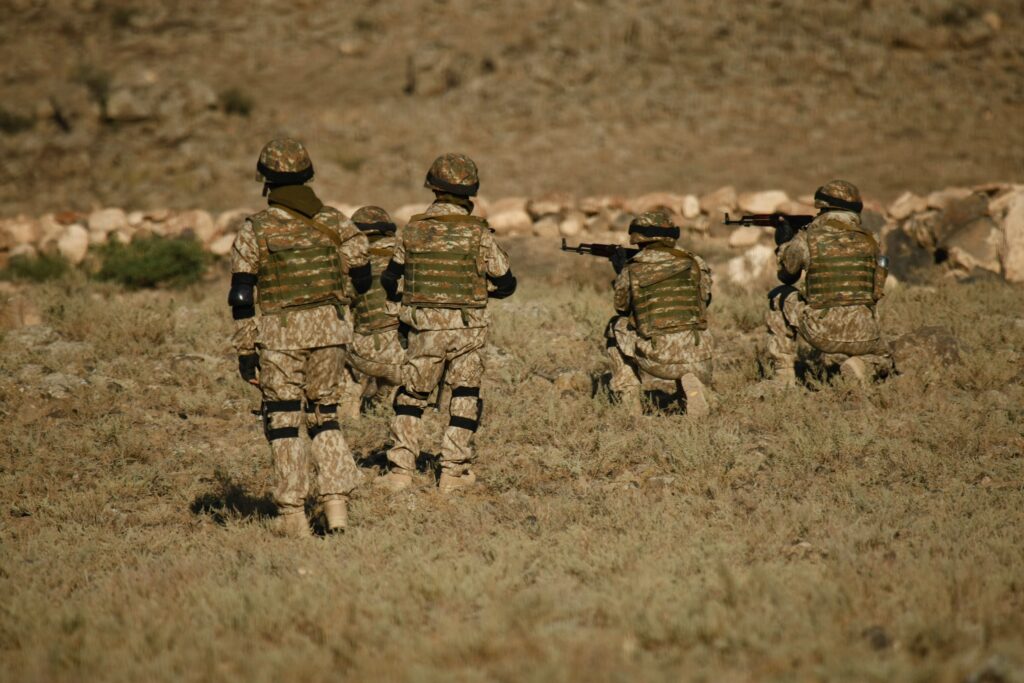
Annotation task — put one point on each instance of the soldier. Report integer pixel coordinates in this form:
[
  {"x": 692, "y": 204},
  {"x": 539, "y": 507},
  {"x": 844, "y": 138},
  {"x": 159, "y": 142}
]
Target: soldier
[
  {"x": 660, "y": 334},
  {"x": 449, "y": 265},
  {"x": 376, "y": 354},
  {"x": 300, "y": 262},
  {"x": 835, "y": 313}
]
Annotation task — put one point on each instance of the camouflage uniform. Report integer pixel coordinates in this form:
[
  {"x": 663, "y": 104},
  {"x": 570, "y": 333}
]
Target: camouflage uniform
[
  {"x": 376, "y": 355},
  {"x": 449, "y": 265},
  {"x": 833, "y": 315},
  {"x": 299, "y": 262},
  {"x": 660, "y": 335}
]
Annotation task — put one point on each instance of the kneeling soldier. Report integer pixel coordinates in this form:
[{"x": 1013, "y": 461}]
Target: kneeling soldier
[
  {"x": 660, "y": 334},
  {"x": 300, "y": 262},
  {"x": 449, "y": 265}
]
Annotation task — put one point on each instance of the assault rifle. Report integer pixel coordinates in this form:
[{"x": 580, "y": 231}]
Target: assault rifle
[
  {"x": 785, "y": 225},
  {"x": 613, "y": 252}
]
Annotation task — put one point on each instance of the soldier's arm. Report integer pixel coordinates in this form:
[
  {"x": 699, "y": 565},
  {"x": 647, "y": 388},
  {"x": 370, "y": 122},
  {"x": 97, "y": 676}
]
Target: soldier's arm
[
  {"x": 622, "y": 299},
  {"x": 356, "y": 253},
  {"x": 242, "y": 299},
  {"x": 499, "y": 269},
  {"x": 392, "y": 275},
  {"x": 793, "y": 258},
  {"x": 705, "y": 280}
]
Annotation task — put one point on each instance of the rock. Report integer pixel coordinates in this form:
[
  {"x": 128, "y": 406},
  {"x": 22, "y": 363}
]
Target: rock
[
  {"x": 351, "y": 47},
  {"x": 941, "y": 198},
  {"x": 510, "y": 221},
  {"x": 723, "y": 200},
  {"x": 573, "y": 224},
  {"x": 873, "y": 221},
  {"x": 907, "y": 260},
  {"x": 508, "y": 204},
  {"x": 136, "y": 218},
  {"x": 107, "y": 220},
  {"x": 691, "y": 207},
  {"x": 1012, "y": 249},
  {"x": 547, "y": 228},
  {"x": 906, "y": 205},
  {"x": 21, "y": 230},
  {"x": 573, "y": 382},
  {"x": 60, "y": 385},
  {"x": 197, "y": 223},
  {"x": 657, "y": 200},
  {"x": 128, "y": 105},
  {"x": 552, "y": 204},
  {"x": 222, "y": 245},
  {"x": 73, "y": 245},
  {"x": 24, "y": 251},
  {"x": 762, "y": 202},
  {"x": 752, "y": 268},
  {"x": 402, "y": 214},
  {"x": 605, "y": 203},
  {"x": 975, "y": 245},
  {"x": 994, "y": 21},
  {"x": 925, "y": 228},
  {"x": 231, "y": 221},
  {"x": 746, "y": 236},
  {"x": 797, "y": 208}
]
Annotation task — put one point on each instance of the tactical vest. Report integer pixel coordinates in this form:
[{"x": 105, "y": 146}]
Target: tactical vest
[
  {"x": 444, "y": 263},
  {"x": 666, "y": 295},
  {"x": 842, "y": 265},
  {"x": 300, "y": 266},
  {"x": 370, "y": 311}
]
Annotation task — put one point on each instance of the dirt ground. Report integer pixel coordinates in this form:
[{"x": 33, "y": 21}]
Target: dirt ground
[
  {"x": 827, "y": 534},
  {"x": 129, "y": 104}
]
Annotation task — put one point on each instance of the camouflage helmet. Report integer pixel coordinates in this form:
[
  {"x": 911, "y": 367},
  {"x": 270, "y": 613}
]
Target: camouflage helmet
[
  {"x": 839, "y": 194},
  {"x": 652, "y": 226},
  {"x": 284, "y": 162},
  {"x": 373, "y": 219},
  {"x": 455, "y": 174}
]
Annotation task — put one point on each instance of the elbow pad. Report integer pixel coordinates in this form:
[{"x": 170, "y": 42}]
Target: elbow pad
[
  {"x": 390, "y": 277},
  {"x": 504, "y": 285},
  {"x": 361, "y": 278},
  {"x": 241, "y": 296}
]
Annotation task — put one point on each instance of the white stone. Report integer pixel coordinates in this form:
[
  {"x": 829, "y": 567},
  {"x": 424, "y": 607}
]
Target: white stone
[
  {"x": 657, "y": 200},
  {"x": 508, "y": 204},
  {"x": 551, "y": 204},
  {"x": 25, "y": 251},
  {"x": 723, "y": 200},
  {"x": 546, "y": 228},
  {"x": 976, "y": 245},
  {"x": 762, "y": 202},
  {"x": 746, "y": 236},
  {"x": 906, "y": 205},
  {"x": 690, "y": 206},
  {"x": 941, "y": 199},
  {"x": 107, "y": 220},
  {"x": 1012, "y": 252},
  {"x": 22, "y": 229},
  {"x": 197, "y": 222},
  {"x": 73, "y": 245},
  {"x": 510, "y": 221},
  {"x": 753, "y": 267},
  {"x": 231, "y": 220},
  {"x": 572, "y": 225},
  {"x": 222, "y": 245},
  {"x": 136, "y": 218}
]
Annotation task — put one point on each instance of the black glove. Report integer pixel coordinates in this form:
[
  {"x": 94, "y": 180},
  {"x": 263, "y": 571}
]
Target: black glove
[
  {"x": 619, "y": 259},
  {"x": 783, "y": 232},
  {"x": 248, "y": 365}
]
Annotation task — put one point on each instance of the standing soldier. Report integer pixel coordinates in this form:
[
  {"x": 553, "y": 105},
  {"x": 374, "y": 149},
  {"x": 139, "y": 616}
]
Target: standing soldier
[
  {"x": 449, "y": 264},
  {"x": 660, "y": 331},
  {"x": 845, "y": 277},
  {"x": 300, "y": 262},
  {"x": 376, "y": 354}
]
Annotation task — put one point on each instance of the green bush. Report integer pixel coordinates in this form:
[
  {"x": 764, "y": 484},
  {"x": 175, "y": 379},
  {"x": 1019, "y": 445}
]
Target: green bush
[
  {"x": 35, "y": 268},
  {"x": 153, "y": 261}
]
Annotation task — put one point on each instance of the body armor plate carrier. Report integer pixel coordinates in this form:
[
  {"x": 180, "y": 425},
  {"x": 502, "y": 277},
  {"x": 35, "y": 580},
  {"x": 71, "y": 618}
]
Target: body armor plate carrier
[
  {"x": 444, "y": 263},
  {"x": 666, "y": 295},
  {"x": 300, "y": 267},
  {"x": 370, "y": 310},
  {"x": 842, "y": 266}
]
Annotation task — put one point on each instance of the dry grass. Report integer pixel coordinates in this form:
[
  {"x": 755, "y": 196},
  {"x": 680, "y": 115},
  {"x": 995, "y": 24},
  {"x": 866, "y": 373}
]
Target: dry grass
[{"x": 839, "y": 534}]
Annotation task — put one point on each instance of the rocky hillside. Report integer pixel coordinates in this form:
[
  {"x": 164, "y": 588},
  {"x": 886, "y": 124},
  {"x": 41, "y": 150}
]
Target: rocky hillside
[{"x": 151, "y": 104}]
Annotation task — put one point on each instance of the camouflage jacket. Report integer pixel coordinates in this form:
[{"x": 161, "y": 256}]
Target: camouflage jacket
[
  {"x": 424, "y": 318},
  {"x": 623, "y": 296},
  {"x": 841, "y": 323},
  {"x": 305, "y": 328}
]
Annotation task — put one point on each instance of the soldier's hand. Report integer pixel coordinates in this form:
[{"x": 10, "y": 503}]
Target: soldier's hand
[
  {"x": 249, "y": 367},
  {"x": 619, "y": 259}
]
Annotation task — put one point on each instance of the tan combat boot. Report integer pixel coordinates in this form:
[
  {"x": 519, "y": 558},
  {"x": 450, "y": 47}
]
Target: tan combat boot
[
  {"x": 697, "y": 403},
  {"x": 336, "y": 513},
  {"x": 450, "y": 482},
  {"x": 292, "y": 523},
  {"x": 631, "y": 401},
  {"x": 784, "y": 377},
  {"x": 854, "y": 369},
  {"x": 398, "y": 479}
]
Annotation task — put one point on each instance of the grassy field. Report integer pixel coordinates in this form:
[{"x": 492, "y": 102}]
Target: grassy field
[{"x": 833, "y": 534}]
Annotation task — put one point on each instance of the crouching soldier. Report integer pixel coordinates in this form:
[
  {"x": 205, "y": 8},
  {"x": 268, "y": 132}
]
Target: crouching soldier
[
  {"x": 376, "y": 355},
  {"x": 448, "y": 264},
  {"x": 834, "y": 315},
  {"x": 298, "y": 262},
  {"x": 659, "y": 339}
]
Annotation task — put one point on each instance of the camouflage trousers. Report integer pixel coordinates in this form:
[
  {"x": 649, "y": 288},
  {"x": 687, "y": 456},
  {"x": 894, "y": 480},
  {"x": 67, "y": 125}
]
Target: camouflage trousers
[
  {"x": 427, "y": 356},
  {"x": 373, "y": 360},
  {"x": 658, "y": 362},
  {"x": 826, "y": 337},
  {"x": 304, "y": 386}
]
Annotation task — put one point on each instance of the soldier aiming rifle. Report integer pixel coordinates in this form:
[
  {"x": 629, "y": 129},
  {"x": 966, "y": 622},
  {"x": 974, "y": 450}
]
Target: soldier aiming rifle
[
  {"x": 618, "y": 255},
  {"x": 785, "y": 225}
]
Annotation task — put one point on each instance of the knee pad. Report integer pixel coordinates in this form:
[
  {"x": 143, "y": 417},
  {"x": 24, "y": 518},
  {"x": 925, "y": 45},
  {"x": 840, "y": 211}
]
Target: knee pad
[
  {"x": 317, "y": 411},
  {"x": 469, "y": 423},
  {"x": 411, "y": 410},
  {"x": 271, "y": 407}
]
